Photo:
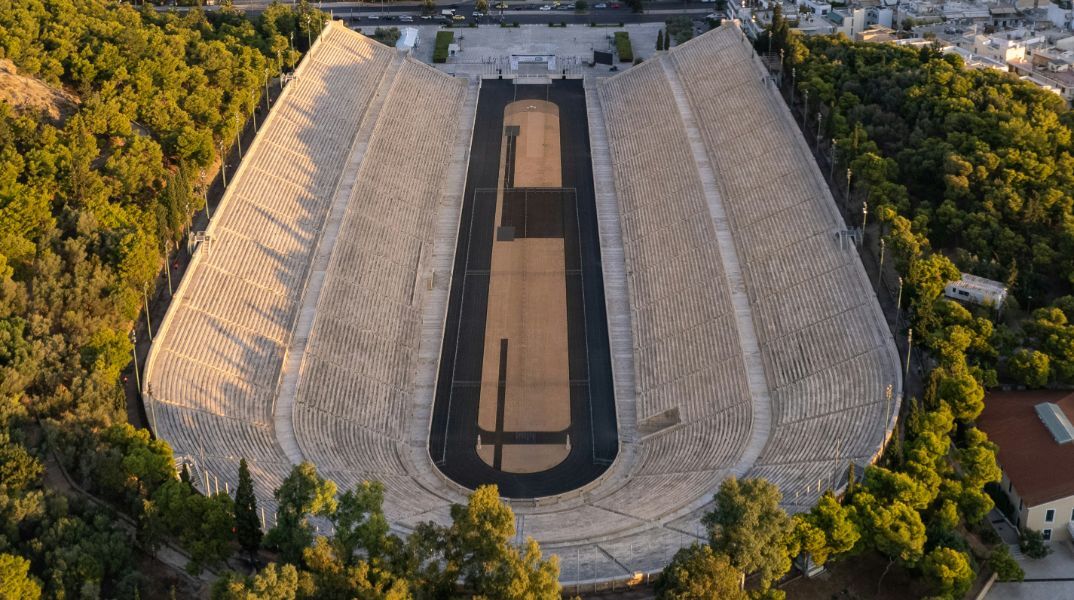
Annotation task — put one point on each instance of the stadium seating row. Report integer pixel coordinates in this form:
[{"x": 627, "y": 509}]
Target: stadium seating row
[
  {"x": 822, "y": 342},
  {"x": 357, "y": 374}
]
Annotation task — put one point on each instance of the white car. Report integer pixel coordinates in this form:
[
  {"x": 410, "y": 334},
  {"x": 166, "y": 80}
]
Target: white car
[
  {"x": 601, "y": 5},
  {"x": 406, "y": 19},
  {"x": 546, "y": 7}
]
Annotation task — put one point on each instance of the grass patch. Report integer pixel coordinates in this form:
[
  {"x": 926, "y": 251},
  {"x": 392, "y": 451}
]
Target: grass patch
[
  {"x": 440, "y": 49},
  {"x": 623, "y": 47}
]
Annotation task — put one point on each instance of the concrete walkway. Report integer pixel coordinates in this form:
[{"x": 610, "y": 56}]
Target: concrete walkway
[
  {"x": 613, "y": 263},
  {"x": 760, "y": 399}
]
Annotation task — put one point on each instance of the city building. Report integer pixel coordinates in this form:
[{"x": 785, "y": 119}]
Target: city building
[{"x": 1036, "y": 448}]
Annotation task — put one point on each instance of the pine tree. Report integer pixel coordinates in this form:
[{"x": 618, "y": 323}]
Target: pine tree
[
  {"x": 660, "y": 40},
  {"x": 247, "y": 526}
]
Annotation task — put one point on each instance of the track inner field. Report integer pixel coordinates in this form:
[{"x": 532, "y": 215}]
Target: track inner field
[{"x": 471, "y": 363}]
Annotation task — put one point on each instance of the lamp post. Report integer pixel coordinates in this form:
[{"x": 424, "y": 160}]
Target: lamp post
[
  {"x": 279, "y": 63},
  {"x": 148, "y": 319},
  {"x": 309, "y": 35},
  {"x": 831, "y": 164},
  {"x": 880, "y": 271},
  {"x": 909, "y": 345},
  {"x": 134, "y": 353},
  {"x": 238, "y": 134},
  {"x": 292, "y": 43},
  {"x": 898, "y": 306},
  {"x": 819, "y": 116},
  {"x": 223, "y": 168},
  {"x": 850, "y": 174},
  {"x": 864, "y": 217},
  {"x": 794, "y": 78},
  {"x": 266, "y": 92}
]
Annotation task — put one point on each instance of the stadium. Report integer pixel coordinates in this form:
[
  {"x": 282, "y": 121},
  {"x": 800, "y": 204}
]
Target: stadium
[{"x": 605, "y": 295}]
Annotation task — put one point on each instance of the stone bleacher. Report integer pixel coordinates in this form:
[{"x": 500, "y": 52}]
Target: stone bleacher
[
  {"x": 211, "y": 377},
  {"x": 391, "y": 128}
]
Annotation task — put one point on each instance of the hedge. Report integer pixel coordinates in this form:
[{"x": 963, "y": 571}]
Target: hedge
[
  {"x": 622, "y": 46},
  {"x": 440, "y": 50}
]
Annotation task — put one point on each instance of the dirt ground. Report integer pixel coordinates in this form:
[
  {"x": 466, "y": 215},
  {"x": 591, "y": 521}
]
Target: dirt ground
[
  {"x": 856, "y": 578},
  {"x": 26, "y": 92},
  {"x": 527, "y": 307}
]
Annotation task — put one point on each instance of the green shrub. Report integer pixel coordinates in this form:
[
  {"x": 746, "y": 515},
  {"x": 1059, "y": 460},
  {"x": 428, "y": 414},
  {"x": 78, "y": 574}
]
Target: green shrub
[
  {"x": 440, "y": 49},
  {"x": 1032, "y": 544},
  {"x": 623, "y": 47},
  {"x": 680, "y": 28},
  {"x": 1004, "y": 565}
]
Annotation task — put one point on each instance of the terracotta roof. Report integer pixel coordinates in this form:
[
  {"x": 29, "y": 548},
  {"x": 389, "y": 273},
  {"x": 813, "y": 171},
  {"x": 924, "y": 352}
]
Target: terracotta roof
[{"x": 1041, "y": 469}]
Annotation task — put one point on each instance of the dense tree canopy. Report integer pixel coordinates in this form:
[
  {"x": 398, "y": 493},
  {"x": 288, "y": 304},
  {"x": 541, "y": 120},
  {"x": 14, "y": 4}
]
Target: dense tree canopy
[{"x": 89, "y": 203}]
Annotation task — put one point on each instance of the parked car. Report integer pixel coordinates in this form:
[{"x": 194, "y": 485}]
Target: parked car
[
  {"x": 406, "y": 19},
  {"x": 458, "y": 18},
  {"x": 546, "y": 7},
  {"x": 372, "y": 17},
  {"x": 600, "y": 5},
  {"x": 426, "y": 17}
]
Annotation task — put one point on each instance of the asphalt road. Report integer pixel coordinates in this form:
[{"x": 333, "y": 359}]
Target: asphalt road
[{"x": 522, "y": 12}]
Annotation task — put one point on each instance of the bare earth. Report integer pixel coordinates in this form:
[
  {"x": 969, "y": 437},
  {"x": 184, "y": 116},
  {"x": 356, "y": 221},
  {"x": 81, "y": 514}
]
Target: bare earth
[
  {"x": 528, "y": 307},
  {"x": 29, "y": 93}
]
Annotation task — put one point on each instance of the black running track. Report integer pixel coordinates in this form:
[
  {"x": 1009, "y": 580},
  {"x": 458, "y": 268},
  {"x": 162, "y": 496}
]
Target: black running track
[{"x": 593, "y": 436}]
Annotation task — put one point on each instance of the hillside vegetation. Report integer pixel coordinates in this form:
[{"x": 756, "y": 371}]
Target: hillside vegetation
[{"x": 87, "y": 209}]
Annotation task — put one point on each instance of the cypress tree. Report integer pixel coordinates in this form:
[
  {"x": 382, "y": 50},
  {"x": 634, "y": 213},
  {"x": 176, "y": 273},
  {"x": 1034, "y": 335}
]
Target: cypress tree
[
  {"x": 667, "y": 40},
  {"x": 660, "y": 40},
  {"x": 247, "y": 525}
]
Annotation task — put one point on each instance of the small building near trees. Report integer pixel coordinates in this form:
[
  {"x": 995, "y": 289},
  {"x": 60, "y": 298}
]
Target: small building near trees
[{"x": 977, "y": 290}]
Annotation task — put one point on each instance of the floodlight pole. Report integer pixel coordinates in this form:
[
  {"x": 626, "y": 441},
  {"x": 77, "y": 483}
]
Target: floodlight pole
[
  {"x": 266, "y": 92},
  {"x": 205, "y": 196},
  {"x": 864, "y": 217},
  {"x": 794, "y": 78},
  {"x": 819, "y": 116},
  {"x": 223, "y": 173},
  {"x": 292, "y": 42},
  {"x": 309, "y": 34},
  {"x": 831, "y": 164},
  {"x": 880, "y": 271},
  {"x": 148, "y": 319},
  {"x": 279, "y": 63},
  {"x": 850, "y": 174},
  {"x": 805, "y": 108},
  {"x": 909, "y": 346},
  {"x": 134, "y": 353},
  {"x": 238, "y": 135},
  {"x": 898, "y": 306},
  {"x": 168, "y": 271}
]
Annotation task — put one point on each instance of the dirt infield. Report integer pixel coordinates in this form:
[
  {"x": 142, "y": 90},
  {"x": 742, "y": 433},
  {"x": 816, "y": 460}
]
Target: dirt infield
[
  {"x": 526, "y": 322},
  {"x": 524, "y": 397}
]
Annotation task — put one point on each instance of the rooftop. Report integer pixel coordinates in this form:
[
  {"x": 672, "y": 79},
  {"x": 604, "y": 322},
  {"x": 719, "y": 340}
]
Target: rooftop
[
  {"x": 980, "y": 283},
  {"x": 1028, "y": 451}
]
